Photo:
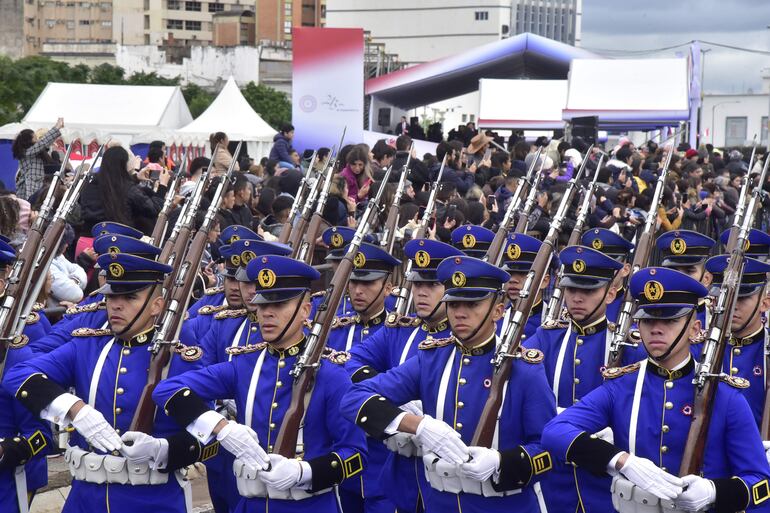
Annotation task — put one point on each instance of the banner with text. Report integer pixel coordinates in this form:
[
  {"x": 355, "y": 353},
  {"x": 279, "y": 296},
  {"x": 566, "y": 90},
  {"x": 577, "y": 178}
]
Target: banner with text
[{"x": 327, "y": 86}]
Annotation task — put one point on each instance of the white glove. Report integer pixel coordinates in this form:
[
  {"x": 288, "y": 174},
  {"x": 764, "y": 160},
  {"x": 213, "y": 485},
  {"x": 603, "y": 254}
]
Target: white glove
[
  {"x": 698, "y": 495},
  {"x": 484, "y": 462},
  {"x": 606, "y": 434},
  {"x": 140, "y": 448},
  {"x": 413, "y": 407},
  {"x": 766, "y": 445},
  {"x": 97, "y": 431},
  {"x": 437, "y": 436},
  {"x": 243, "y": 443},
  {"x": 649, "y": 477},
  {"x": 285, "y": 473}
]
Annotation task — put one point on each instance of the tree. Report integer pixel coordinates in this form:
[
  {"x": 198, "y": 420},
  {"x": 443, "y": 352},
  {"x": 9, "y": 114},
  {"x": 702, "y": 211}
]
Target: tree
[
  {"x": 197, "y": 98},
  {"x": 108, "y": 74},
  {"x": 151, "y": 78},
  {"x": 272, "y": 105}
]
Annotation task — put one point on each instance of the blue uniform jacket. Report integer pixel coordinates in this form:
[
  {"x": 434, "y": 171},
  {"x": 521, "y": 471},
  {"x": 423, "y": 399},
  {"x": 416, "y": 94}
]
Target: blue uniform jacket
[
  {"x": 327, "y": 437},
  {"x": 212, "y": 297},
  {"x": 734, "y": 456},
  {"x": 93, "y": 315},
  {"x": 527, "y": 406}
]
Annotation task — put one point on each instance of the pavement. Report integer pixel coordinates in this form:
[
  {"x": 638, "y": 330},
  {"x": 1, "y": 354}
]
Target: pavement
[{"x": 51, "y": 498}]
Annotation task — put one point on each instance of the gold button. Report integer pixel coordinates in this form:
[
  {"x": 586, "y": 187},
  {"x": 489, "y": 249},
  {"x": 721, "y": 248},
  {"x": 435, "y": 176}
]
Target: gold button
[
  {"x": 281, "y": 364},
  {"x": 123, "y": 370},
  {"x": 118, "y": 432},
  {"x": 24, "y": 393},
  {"x": 734, "y": 370},
  {"x": 365, "y": 332},
  {"x": 269, "y": 448},
  {"x": 579, "y": 341},
  {"x": 118, "y": 411},
  {"x": 460, "y": 404},
  {"x": 669, "y": 405},
  {"x": 279, "y": 384},
  {"x": 577, "y": 381},
  {"x": 119, "y": 391},
  {"x": 459, "y": 425},
  {"x": 664, "y": 449},
  {"x": 669, "y": 384},
  {"x": 737, "y": 351},
  {"x": 466, "y": 361},
  {"x": 462, "y": 381},
  {"x": 577, "y": 361},
  {"x": 272, "y": 425},
  {"x": 665, "y": 428},
  {"x": 664, "y": 469},
  {"x": 275, "y": 405},
  {"x": 16, "y": 439},
  {"x": 126, "y": 351}
]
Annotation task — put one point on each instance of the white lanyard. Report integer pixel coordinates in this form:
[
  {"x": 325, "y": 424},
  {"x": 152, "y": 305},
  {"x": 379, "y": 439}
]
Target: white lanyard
[
  {"x": 559, "y": 363},
  {"x": 635, "y": 408},
  {"x": 408, "y": 345},
  {"x": 237, "y": 337},
  {"x": 98, "y": 371},
  {"x": 351, "y": 332},
  {"x": 443, "y": 385},
  {"x": 253, "y": 388}
]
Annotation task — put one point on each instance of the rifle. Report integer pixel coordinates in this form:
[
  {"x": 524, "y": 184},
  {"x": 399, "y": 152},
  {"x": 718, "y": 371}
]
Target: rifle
[
  {"x": 174, "y": 248},
  {"x": 308, "y": 361},
  {"x": 709, "y": 369},
  {"x": 295, "y": 238},
  {"x": 29, "y": 271},
  {"x": 176, "y": 298},
  {"x": 283, "y": 238},
  {"x": 404, "y": 300},
  {"x": 159, "y": 230},
  {"x": 641, "y": 256},
  {"x": 741, "y": 207},
  {"x": 494, "y": 252},
  {"x": 511, "y": 340},
  {"x": 389, "y": 232},
  {"x": 557, "y": 297},
  {"x": 526, "y": 210}
]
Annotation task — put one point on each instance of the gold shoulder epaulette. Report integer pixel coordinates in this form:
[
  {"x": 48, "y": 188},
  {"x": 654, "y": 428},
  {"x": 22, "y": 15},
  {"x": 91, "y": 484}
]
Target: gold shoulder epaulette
[
  {"x": 19, "y": 341},
  {"x": 555, "y": 325},
  {"x": 91, "y": 332},
  {"x": 231, "y": 314},
  {"x": 342, "y": 321},
  {"x": 320, "y": 293},
  {"x": 37, "y": 307},
  {"x": 616, "y": 372},
  {"x": 735, "y": 381},
  {"x": 211, "y": 309},
  {"x": 248, "y": 348},
  {"x": 531, "y": 355},
  {"x": 32, "y": 318},
  {"x": 336, "y": 357},
  {"x": 188, "y": 353},
  {"x": 395, "y": 320},
  {"x": 435, "y": 343},
  {"x": 213, "y": 290},
  {"x": 90, "y": 307}
]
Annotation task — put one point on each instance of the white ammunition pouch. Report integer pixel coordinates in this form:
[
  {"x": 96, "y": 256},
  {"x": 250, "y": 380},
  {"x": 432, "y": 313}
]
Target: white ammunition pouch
[
  {"x": 443, "y": 477},
  {"x": 404, "y": 444},
  {"x": 629, "y": 498},
  {"x": 250, "y": 485},
  {"x": 105, "y": 468}
]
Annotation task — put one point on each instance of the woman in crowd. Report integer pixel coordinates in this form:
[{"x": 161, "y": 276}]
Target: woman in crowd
[{"x": 32, "y": 154}]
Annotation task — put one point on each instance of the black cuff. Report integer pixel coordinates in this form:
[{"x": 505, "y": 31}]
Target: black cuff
[
  {"x": 185, "y": 406},
  {"x": 330, "y": 470},
  {"x": 732, "y": 495},
  {"x": 363, "y": 373},
  {"x": 517, "y": 468},
  {"x": 16, "y": 452},
  {"x": 183, "y": 449},
  {"x": 37, "y": 392},
  {"x": 592, "y": 454},
  {"x": 375, "y": 415}
]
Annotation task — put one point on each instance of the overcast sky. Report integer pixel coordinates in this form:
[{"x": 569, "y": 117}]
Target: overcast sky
[{"x": 650, "y": 24}]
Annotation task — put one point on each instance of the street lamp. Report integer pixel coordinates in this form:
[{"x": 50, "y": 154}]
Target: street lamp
[{"x": 713, "y": 119}]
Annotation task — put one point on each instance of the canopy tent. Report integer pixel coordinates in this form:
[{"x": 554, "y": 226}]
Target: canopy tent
[
  {"x": 229, "y": 113},
  {"x": 624, "y": 94},
  {"x": 521, "y": 56},
  {"x": 522, "y": 104}
]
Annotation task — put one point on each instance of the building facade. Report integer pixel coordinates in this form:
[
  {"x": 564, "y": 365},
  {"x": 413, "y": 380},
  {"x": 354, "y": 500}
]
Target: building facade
[
  {"x": 559, "y": 20},
  {"x": 276, "y": 18},
  {"x": 69, "y": 23}
]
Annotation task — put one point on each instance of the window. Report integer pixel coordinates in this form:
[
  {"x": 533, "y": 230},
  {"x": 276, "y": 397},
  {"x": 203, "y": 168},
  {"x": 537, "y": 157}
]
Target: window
[
  {"x": 84, "y": 22},
  {"x": 192, "y": 6},
  {"x": 481, "y": 15},
  {"x": 174, "y": 5},
  {"x": 735, "y": 131},
  {"x": 174, "y": 24},
  {"x": 70, "y": 24},
  {"x": 216, "y": 7},
  {"x": 50, "y": 23},
  {"x": 106, "y": 23},
  {"x": 763, "y": 132},
  {"x": 192, "y": 25}
]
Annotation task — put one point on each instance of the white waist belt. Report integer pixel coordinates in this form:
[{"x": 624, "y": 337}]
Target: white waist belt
[
  {"x": 105, "y": 468},
  {"x": 629, "y": 498},
  {"x": 250, "y": 485},
  {"x": 443, "y": 477}
]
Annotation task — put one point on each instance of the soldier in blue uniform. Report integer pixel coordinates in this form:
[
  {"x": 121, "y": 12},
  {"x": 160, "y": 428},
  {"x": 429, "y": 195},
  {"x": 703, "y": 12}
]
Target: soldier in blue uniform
[
  {"x": 576, "y": 351},
  {"x": 759, "y": 243},
  {"x": 397, "y": 474},
  {"x": 649, "y": 406},
  {"x": 108, "y": 369},
  {"x": 745, "y": 352},
  {"x": 614, "y": 246},
  {"x": 94, "y": 314},
  {"x": 520, "y": 252},
  {"x": 687, "y": 251},
  {"x": 258, "y": 379},
  {"x": 472, "y": 240},
  {"x": 452, "y": 377},
  {"x": 370, "y": 283}
]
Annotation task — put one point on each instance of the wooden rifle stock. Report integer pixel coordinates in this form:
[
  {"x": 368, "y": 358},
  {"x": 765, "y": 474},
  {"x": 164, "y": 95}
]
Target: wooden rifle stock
[
  {"x": 306, "y": 366},
  {"x": 287, "y": 226},
  {"x": 159, "y": 230}
]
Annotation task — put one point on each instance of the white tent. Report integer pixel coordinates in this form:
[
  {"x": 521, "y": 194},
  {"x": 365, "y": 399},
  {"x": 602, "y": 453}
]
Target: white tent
[
  {"x": 95, "y": 111},
  {"x": 624, "y": 93},
  {"x": 231, "y": 113},
  {"x": 521, "y": 104}
]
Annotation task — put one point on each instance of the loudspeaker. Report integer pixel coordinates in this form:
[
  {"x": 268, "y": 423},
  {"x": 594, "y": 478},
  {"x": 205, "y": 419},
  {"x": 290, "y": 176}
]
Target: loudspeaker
[
  {"x": 383, "y": 116},
  {"x": 586, "y": 127}
]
